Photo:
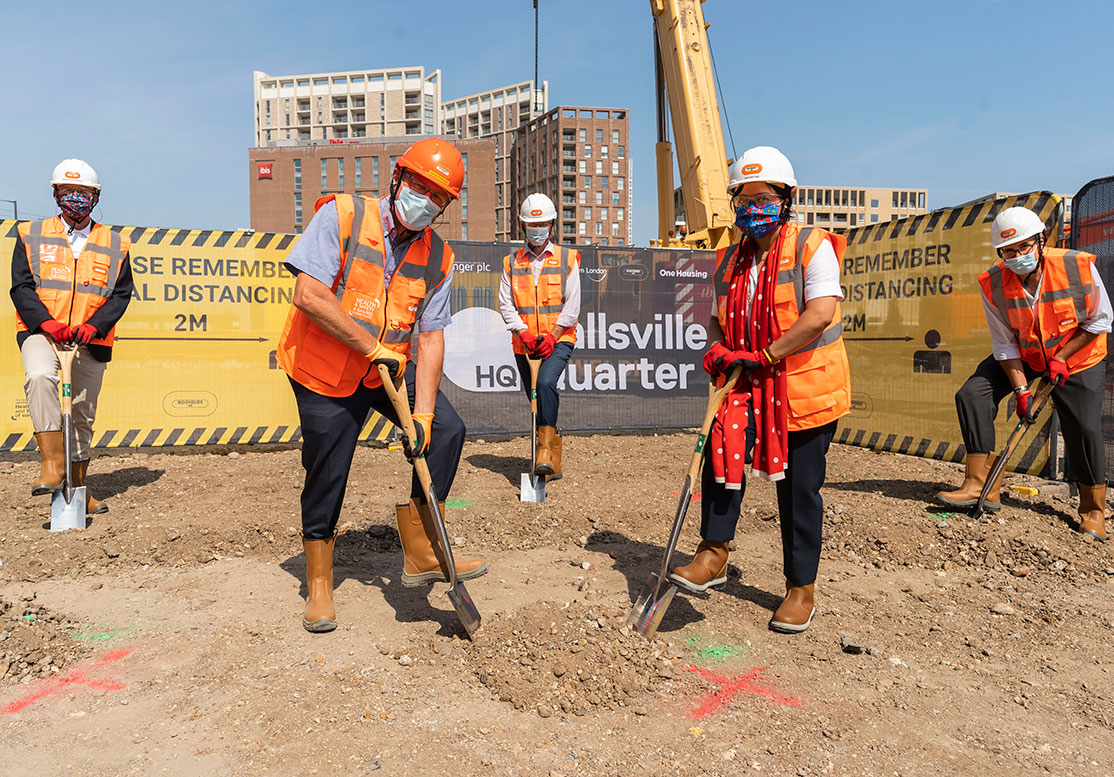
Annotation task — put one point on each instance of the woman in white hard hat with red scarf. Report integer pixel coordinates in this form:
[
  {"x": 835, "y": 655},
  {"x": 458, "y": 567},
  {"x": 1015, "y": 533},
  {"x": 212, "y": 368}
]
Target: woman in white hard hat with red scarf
[
  {"x": 1048, "y": 315},
  {"x": 777, "y": 318}
]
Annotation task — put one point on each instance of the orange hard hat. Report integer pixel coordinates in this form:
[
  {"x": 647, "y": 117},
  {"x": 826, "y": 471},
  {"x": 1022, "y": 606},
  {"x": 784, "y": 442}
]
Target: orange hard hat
[{"x": 435, "y": 160}]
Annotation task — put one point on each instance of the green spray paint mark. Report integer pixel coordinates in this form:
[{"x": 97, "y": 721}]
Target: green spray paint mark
[
  {"x": 457, "y": 503},
  {"x": 29, "y": 617},
  {"x": 104, "y": 635},
  {"x": 711, "y": 651}
]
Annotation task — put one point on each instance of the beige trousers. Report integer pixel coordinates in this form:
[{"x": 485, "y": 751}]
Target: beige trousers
[{"x": 41, "y": 376}]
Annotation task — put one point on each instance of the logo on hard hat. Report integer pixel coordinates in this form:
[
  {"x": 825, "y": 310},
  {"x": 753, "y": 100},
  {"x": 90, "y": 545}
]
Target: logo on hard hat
[
  {"x": 72, "y": 174},
  {"x": 443, "y": 170},
  {"x": 752, "y": 169},
  {"x": 536, "y": 212},
  {"x": 1008, "y": 233}
]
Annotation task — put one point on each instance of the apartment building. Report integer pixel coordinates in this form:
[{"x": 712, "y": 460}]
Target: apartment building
[
  {"x": 497, "y": 114},
  {"x": 386, "y": 103},
  {"x": 578, "y": 157},
  {"x": 843, "y": 207}
]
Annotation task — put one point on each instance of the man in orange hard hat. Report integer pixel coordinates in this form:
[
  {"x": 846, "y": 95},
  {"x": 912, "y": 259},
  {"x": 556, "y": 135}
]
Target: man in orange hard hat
[
  {"x": 71, "y": 283},
  {"x": 368, "y": 271}
]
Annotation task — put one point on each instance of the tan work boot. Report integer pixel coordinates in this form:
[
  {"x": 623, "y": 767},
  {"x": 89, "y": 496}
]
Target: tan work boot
[
  {"x": 421, "y": 551},
  {"x": 796, "y": 610},
  {"x": 320, "y": 615},
  {"x": 544, "y": 454},
  {"x": 1092, "y": 511},
  {"x": 707, "y": 570},
  {"x": 52, "y": 451},
  {"x": 555, "y": 456},
  {"x": 92, "y": 506},
  {"x": 978, "y": 467}
]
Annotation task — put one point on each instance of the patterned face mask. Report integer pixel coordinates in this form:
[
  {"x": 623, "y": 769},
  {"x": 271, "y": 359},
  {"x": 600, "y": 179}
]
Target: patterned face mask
[
  {"x": 76, "y": 205},
  {"x": 757, "y": 220}
]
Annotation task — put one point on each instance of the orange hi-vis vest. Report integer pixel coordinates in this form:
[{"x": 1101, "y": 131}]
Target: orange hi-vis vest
[
  {"x": 818, "y": 377},
  {"x": 1042, "y": 329},
  {"x": 539, "y": 304},
  {"x": 73, "y": 289},
  {"x": 327, "y": 366}
]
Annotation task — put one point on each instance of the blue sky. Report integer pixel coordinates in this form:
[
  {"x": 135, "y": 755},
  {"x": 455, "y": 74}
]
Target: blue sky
[{"x": 959, "y": 98}]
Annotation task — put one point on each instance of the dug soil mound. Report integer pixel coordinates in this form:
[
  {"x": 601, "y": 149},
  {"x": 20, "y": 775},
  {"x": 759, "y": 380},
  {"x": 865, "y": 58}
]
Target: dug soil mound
[{"x": 34, "y": 641}]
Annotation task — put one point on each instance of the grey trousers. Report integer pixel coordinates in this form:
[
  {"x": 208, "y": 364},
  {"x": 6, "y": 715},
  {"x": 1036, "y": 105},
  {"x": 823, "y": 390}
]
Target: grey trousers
[{"x": 41, "y": 377}]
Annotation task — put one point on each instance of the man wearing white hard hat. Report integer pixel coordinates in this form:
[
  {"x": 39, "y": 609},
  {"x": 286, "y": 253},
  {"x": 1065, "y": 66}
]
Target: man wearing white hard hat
[
  {"x": 1048, "y": 315},
  {"x": 539, "y": 297},
  {"x": 777, "y": 318},
  {"x": 71, "y": 283}
]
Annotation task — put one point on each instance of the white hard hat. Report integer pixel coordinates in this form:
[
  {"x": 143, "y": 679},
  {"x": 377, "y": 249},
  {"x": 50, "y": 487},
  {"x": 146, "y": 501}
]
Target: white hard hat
[
  {"x": 76, "y": 172},
  {"x": 537, "y": 209},
  {"x": 764, "y": 164},
  {"x": 1014, "y": 225}
]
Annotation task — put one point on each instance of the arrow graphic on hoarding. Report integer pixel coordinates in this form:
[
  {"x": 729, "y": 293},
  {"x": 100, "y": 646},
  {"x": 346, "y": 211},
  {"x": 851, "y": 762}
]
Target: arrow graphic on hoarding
[
  {"x": 207, "y": 339},
  {"x": 906, "y": 339}
]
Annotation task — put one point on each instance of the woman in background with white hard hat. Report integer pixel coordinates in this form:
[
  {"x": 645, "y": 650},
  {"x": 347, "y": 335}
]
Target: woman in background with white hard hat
[
  {"x": 71, "y": 283},
  {"x": 1048, "y": 314},
  {"x": 539, "y": 297},
  {"x": 777, "y": 318}
]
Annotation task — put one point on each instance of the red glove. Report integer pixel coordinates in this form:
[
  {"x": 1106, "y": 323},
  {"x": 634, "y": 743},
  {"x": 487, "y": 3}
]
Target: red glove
[
  {"x": 544, "y": 348},
  {"x": 1058, "y": 372},
  {"x": 529, "y": 339},
  {"x": 712, "y": 357},
  {"x": 83, "y": 334},
  {"x": 57, "y": 330},
  {"x": 1025, "y": 406}
]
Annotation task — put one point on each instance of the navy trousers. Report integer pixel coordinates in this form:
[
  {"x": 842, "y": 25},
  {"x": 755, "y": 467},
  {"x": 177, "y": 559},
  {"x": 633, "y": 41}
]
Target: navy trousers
[{"x": 549, "y": 401}]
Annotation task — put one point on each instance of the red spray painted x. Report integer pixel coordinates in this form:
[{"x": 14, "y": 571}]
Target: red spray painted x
[
  {"x": 729, "y": 687},
  {"x": 76, "y": 677}
]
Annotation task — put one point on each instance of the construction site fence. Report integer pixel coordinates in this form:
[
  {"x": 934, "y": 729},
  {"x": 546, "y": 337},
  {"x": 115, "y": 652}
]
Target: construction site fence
[{"x": 194, "y": 362}]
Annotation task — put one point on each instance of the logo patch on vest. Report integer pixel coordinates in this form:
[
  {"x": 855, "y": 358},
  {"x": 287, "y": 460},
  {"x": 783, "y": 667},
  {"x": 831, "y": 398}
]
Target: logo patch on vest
[
  {"x": 364, "y": 307},
  {"x": 50, "y": 253},
  {"x": 58, "y": 273}
]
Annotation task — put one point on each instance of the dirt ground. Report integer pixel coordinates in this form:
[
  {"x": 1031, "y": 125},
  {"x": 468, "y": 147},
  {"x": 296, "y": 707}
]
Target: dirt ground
[{"x": 166, "y": 638}]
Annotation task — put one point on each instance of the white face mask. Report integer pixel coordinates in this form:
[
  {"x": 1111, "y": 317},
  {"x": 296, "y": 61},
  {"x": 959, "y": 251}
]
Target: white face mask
[
  {"x": 415, "y": 211},
  {"x": 535, "y": 235}
]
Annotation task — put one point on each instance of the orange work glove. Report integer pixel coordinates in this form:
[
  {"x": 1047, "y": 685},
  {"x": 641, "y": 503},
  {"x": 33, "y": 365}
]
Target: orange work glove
[
  {"x": 395, "y": 362},
  {"x": 423, "y": 426}
]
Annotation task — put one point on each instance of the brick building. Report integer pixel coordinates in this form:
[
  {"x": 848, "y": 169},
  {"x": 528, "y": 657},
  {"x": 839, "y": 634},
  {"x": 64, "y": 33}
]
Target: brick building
[{"x": 286, "y": 180}]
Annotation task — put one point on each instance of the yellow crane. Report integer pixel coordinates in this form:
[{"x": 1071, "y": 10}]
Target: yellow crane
[{"x": 684, "y": 74}]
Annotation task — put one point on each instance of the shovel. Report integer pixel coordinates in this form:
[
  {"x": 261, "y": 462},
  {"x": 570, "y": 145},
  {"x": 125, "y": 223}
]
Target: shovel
[
  {"x": 657, "y": 593},
  {"x": 465, "y": 608},
  {"x": 532, "y": 487},
  {"x": 67, "y": 507},
  {"x": 1041, "y": 399}
]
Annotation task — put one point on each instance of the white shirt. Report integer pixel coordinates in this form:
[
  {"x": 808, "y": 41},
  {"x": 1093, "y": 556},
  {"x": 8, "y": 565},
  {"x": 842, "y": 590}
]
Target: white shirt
[
  {"x": 1004, "y": 338},
  {"x": 821, "y": 276},
  {"x": 78, "y": 237},
  {"x": 570, "y": 312}
]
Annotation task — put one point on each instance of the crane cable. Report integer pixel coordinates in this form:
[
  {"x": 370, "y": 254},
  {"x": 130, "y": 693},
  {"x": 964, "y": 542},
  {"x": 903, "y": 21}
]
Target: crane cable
[{"x": 722, "y": 101}]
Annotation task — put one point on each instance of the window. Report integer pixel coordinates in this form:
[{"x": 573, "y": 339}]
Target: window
[
  {"x": 582, "y": 135},
  {"x": 622, "y": 152},
  {"x": 587, "y": 214},
  {"x": 568, "y": 214},
  {"x": 582, "y": 197},
  {"x": 603, "y": 181},
  {"x": 614, "y": 230},
  {"x": 873, "y": 218},
  {"x": 582, "y": 166},
  {"x": 324, "y": 175},
  {"x": 297, "y": 207},
  {"x": 920, "y": 200},
  {"x": 603, "y": 241},
  {"x": 895, "y": 199},
  {"x": 375, "y": 173},
  {"x": 854, "y": 197},
  {"x": 810, "y": 218},
  {"x": 905, "y": 199},
  {"x": 599, "y": 136},
  {"x": 340, "y": 173},
  {"x": 587, "y": 182},
  {"x": 587, "y": 152},
  {"x": 621, "y": 183},
  {"x": 811, "y": 197},
  {"x": 620, "y": 213},
  {"x": 615, "y": 140},
  {"x": 614, "y": 198},
  {"x": 603, "y": 152},
  {"x": 874, "y": 204},
  {"x": 599, "y": 228},
  {"x": 464, "y": 158},
  {"x": 581, "y": 228},
  {"x": 614, "y": 168},
  {"x": 599, "y": 198},
  {"x": 599, "y": 167},
  {"x": 297, "y": 174},
  {"x": 464, "y": 203},
  {"x": 464, "y": 230},
  {"x": 827, "y": 196}
]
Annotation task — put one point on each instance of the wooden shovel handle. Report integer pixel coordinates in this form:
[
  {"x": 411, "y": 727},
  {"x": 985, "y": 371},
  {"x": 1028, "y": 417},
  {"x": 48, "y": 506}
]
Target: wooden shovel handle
[
  {"x": 716, "y": 395},
  {"x": 65, "y": 363},
  {"x": 535, "y": 366},
  {"x": 401, "y": 402}
]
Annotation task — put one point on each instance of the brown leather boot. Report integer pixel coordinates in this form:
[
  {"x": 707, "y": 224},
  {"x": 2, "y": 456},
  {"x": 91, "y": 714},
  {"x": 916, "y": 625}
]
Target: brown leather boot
[
  {"x": 320, "y": 615},
  {"x": 421, "y": 551},
  {"x": 978, "y": 467},
  {"x": 52, "y": 451},
  {"x": 1092, "y": 511},
  {"x": 555, "y": 456},
  {"x": 544, "y": 456},
  {"x": 92, "y": 506},
  {"x": 796, "y": 610},
  {"x": 707, "y": 570}
]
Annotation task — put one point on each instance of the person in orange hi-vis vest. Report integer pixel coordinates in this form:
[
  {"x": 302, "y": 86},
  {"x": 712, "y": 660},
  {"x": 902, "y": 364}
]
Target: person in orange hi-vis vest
[
  {"x": 1048, "y": 315},
  {"x": 539, "y": 297},
  {"x": 777, "y": 318},
  {"x": 369, "y": 270},
  {"x": 71, "y": 283}
]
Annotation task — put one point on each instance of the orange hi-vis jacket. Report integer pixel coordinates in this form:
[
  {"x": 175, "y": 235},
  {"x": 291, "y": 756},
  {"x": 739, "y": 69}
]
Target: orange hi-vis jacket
[
  {"x": 818, "y": 377},
  {"x": 1042, "y": 329},
  {"x": 73, "y": 289},
  {"x": 540, "y": 304},
  {"x": 327, "y": 366}
]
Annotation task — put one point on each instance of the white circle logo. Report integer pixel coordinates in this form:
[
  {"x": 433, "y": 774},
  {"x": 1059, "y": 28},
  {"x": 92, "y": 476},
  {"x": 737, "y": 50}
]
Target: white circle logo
[{"x": 478, "y": 352}]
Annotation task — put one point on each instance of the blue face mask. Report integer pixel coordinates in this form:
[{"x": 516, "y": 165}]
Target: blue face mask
[
  {"x": 1024, "y": 264},
  {"x": 415, "y": 211},
  {"x": 757, "y": 220}
]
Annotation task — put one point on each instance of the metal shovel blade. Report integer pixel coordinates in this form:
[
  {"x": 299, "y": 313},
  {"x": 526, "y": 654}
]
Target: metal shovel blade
[
  {"x": 465, "y": 608},
  {"x": 531, "y": 488},
  {"x": 68, "y": 514},
  {"x": 651, "y": 605}
]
